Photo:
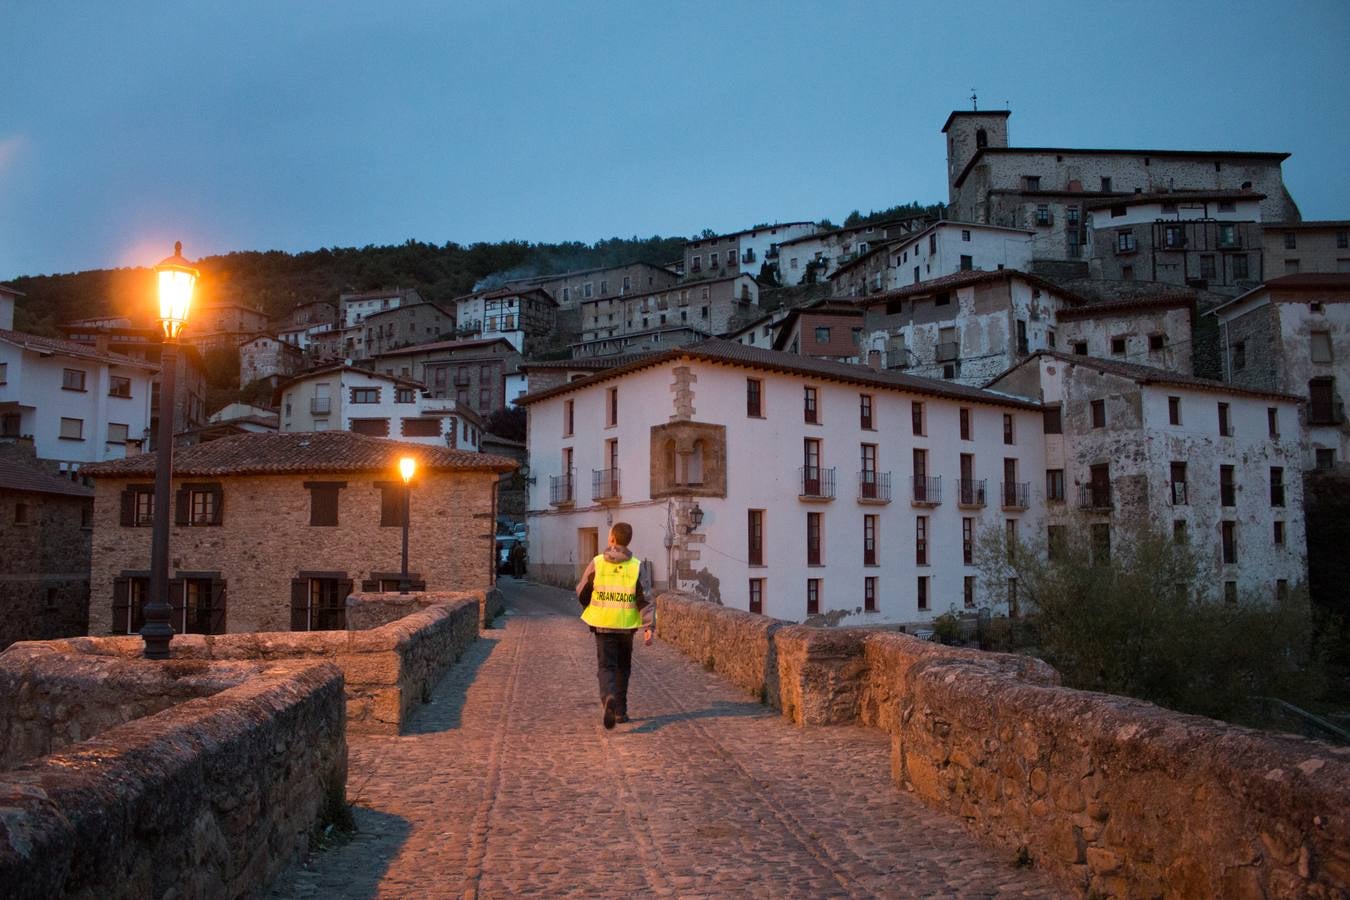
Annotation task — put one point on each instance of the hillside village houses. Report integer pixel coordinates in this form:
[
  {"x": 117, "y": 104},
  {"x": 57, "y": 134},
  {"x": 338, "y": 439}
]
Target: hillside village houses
[
  {"x": 1307, "y": 246},
  {"x": 223, "y": 325},
  {"x": 654, "y": 320},
  {"x": 403, "y": 326},
  {"x": 570, "y": 288},
  {"x": 273, "y": 532},
  {"x": 815, "y": 256},
  {"x": 943, "y": 248},
  {"x": 268, "y": 358},
  {"x": 524, "y": 317},
  {"x": 474, "y": 373},
  {"x": 826, "y": 329},
  {"x": 741, "y": 252}
]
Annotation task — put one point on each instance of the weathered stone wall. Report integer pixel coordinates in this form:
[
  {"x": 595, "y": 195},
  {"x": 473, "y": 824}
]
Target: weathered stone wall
[
  {"x": 1122, "y": 797},
  {"x": 211, "y": 797},
  {"x": 44, "y": 567}
]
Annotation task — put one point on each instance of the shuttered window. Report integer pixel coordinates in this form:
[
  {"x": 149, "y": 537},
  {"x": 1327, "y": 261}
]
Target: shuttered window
[
  {"x": 131, "y": 591},
  {"x": 199, "y": 505},
  {"x": 323, "y": 502},
  {"x": 138, "y": 506},
  {"x": 391, "y": 503},
  {"x": 319, "y": 601}
]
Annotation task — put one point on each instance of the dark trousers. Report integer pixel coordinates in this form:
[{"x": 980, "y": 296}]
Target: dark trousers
[{"x": 614, "y": 663}]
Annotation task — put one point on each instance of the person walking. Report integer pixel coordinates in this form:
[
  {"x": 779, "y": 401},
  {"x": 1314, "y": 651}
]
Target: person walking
[{"x": 615, "y": 605}]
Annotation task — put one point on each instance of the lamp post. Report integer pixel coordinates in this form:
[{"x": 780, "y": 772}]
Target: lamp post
[
  {"x": 406, "y": 467},
  {"x": 176, "y": 282}
]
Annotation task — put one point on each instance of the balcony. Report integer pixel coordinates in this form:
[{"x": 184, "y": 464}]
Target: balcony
[
  {"x": 816, "y": 483},
  {"x": 1178, "y": 493},
  {"x": 320, "y": 406},
  {"x": 948, "y": 351},
  {"x": 1016, "y": 494},
  {"x": 874, "y": 487},
  {"x": 605, "y": 485},
  {"x": 1321, "y": 413},
  {"x": 1095, "y": 496},
  {"x": 970, "y": 493},
  {"x": 562, "y": 490},
  {"x": 927, "y": 491}
]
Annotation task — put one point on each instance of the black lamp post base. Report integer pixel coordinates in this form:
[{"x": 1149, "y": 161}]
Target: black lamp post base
[{"x": 156, "y": 636}]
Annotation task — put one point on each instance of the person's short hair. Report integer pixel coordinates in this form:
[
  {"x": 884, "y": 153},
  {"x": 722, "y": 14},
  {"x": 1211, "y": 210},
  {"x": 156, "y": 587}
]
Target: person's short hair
[{"x": 622, "y": 533}]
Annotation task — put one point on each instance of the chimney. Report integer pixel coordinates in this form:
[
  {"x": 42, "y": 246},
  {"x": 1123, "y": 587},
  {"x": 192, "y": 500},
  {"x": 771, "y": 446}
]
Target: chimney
[{"x": 874, "y": 360}]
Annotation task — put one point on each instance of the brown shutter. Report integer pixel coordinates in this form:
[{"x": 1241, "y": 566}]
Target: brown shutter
[
  {"x": 128, "y": 507},
  {"x": 391, "y": 504},
  {"x": 177, "y": 605},
  {"x": 217, "y": 606},
  {"x": 219, "y": 517},
  {"x": 299, "y": 604},
  {"x": 182, "y": 506},
  {"x": 121, "y": 606}
]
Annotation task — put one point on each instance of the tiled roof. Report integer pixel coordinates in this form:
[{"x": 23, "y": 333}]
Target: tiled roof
[
  {"x": 341, "y": 367},
  {"x": 589, "y": 362},
  {"x": 6, "y": 289},
  {"x": 15, "y": 476},
  {"x": 1151, "y": 375},
  {"x": 300, "y": 453},
  {"x": 1176, "y": 197},
  {"x": 965, "y": 279},
  {"x": 40, "y": 344},
  {"x": 716, "y": 350},
  {"x": 1169, "y": 300},
  {"x": 1314, "y": 281},
  {"x": 1097, "y": 151},
  {"x": 445, "y": 345}
]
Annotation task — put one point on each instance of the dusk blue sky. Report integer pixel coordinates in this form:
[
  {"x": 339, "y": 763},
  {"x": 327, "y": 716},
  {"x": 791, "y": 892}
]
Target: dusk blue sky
[{"x": 289, "y": 125}]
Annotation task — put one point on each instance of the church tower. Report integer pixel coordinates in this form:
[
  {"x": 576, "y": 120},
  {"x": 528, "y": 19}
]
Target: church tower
[{"x": 968, "y": 131}]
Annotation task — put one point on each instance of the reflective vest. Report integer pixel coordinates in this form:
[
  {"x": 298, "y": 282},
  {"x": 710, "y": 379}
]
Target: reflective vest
[{"x": 614, "y": 595}]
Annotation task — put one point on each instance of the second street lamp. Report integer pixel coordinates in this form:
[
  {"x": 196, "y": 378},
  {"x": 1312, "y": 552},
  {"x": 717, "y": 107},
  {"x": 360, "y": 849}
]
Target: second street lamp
[
  {"x": 407, "y": 466},
  {"x": 177, "y": 279}
]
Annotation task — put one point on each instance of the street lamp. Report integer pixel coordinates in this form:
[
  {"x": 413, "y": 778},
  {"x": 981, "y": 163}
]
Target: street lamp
[
  {"x": 176, "y": 282},
  {"x": 406, "y": 467}
]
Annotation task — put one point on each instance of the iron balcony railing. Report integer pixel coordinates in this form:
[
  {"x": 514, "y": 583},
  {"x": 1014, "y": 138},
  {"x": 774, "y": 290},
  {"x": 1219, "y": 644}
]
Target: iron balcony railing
[
  {"x": 1016, "y": 494},
  {"x": 320, "y": 406},
  {"x": 816, "y": 483},
  {"x": 927, "y": 490},
  {"x": 874, "y": 486},
  {"x": 970, "y": 492},
  {"x": 561, "y": 489},
  {"x": 1178, "y": 493},
  {"x": 1094, "y": 496},
  {"x": 604, "y": 484}
]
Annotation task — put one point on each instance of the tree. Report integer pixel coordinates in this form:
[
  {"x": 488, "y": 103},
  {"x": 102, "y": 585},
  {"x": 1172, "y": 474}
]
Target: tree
[{"x": 508, "y": 422}]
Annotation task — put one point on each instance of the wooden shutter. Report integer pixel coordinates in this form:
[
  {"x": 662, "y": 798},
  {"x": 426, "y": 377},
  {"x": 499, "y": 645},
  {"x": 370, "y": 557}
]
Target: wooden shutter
[
  {"x": 217, "y": 606},
  {"x": 182, "y": 507},
  {"x": 299, "y": 604},
  {"x": 178, "y": 605},
  {"x": 391, "y": 504},
  {"x": 128, "y": 507},
  {"x": 219, "y": 517},
  {"x": 121, "y": 605}
]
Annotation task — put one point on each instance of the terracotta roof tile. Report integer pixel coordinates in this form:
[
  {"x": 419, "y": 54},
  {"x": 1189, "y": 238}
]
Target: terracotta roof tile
[
  {"x": 965, "y": 279},
  {"x": 300, "y": 453},
  {"x": 15, "y": 476},
  {"x": 40, "y": 344}
]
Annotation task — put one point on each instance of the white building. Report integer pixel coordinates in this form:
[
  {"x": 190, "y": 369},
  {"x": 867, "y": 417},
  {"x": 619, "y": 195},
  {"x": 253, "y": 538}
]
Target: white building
[
  {"x": 758, "y": 332},
  {"x": 347, "y": 398},
  {"x": 520, "y": 316},
  {"x": 1292, "y": 335},
  {"x": 943, "y": 248},
  {"x": 77, "y": 404},
  {"x": 817, "y": 256},
  {"x": 823, "y": 490},
  {"x": 741, "y": 252},
  {"x": 1209, "y": 463}
]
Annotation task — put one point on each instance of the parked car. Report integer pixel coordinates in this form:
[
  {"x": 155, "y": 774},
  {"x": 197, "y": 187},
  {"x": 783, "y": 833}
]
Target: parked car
[{"x": 511, "y": 555}]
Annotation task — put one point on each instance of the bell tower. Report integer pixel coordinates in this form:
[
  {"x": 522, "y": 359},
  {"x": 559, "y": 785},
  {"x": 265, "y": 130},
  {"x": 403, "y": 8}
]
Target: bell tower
[{"x": 968, "y": 131}]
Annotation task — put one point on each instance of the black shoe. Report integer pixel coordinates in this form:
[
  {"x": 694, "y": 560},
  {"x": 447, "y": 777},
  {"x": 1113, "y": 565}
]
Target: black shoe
[
  {"x": 609, "y": 713},
  {"x": 621, "y": 718}
]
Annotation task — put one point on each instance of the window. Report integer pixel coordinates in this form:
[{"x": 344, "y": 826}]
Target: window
[
  {"x": 1178, "y": 483},
  {"x": 809, "y": 409},
  {"x": 1157, "y": 342},
  {"x": 365, "y": 395},
  {"x": 1100, "y": 535},
  {"x": 423, "y": 427},
  {"x": 1010, "y": 534},
  {"x": 1229, "y": 532},
  {"x": 916, "y": 417},
  {"x": 323, "y": 502},
  {"x": 1277, "y": 486},
  {"x": 921, "y": 540},
  {"x": 1273, "y": 421},
  {"x": 198, "y": 604},
  {"x": 1007, "y": 428},
  {"x": 1208, "y": 270},
  {"x": 405, "y": 395},
  {"x": 869, "y": 540},
  {"x": 870, "y": 593},
  {"x": 932, "y": 243},
  {"x": 865, "y": 411},
  {"x": 1278, "y": 538},
  {"x": 965, "y": 423},
  {"x": 20, "y": 513},
  {"x": 130, "y": 594},
  {"x": 1042, "y": 214},
  {"x": 568, "y": 419},
  {"x": 754, "y": 398},
  {"x": 1117, "y": 346},
  {"x": 1021, "y": 337},
  {"x": 604, "y": 287},
  {"x": 968, "y": 541},
  {"x": 1080, "y": 348},
  {"x": 967, "y": 262},
  {"x": 1240, "y": 270},
  {"x": 969, "y": 591},
  {"x": 1054, "y": 485},
  {"x": 1127, "y": 273},
  {"x": 587, "y": 289},
  {"x": 921, "y": 591},
  {"x": 1230, "y": 595},
  {"x": 117, "y": 433},
  {"x": 1106, "y": 184},
  {"x": 1031, "y": 182},
  {"x": 1320, "y": 345},
  {"x": 1056, "y": 542},
  {"x": 1290, "y": 241},
  {"x": 4, "y": 373},
  {"x": 72, "y": 380},
  {"x": 117, "y": 385},
  {"x": 72, "y": 429},
  {"x": 755, "y": 537},
  {"x": 1322, "y": 406},
  {"x": 1239, "y": 350},
  {"x": 1125, "y": 242},
  {"x": 1225, "y": 423},
  {"x": 1098, "y": 413},
  {"x": 373, "y": 427},
  {"x": 1053, "y": 420},
  {"x": 812, "y": 596},
  {"x": 1342, "y": 240},
  {"x": 200, "y": 504},
  {"x": 612, "y": 407},
  {"x": 1227, "y": 487},
  {"x": 757, "y": 595},
  {"x": 1324, "y": 458},
  {"x": 1174, "y": 237},
  {"x": 813, "y": 530},
  {"x": 1174, "y": 410},
  {"x": 1179, "y": 531},
  {"x": 319, "y": 602},
  {"x": 822, "y": 334}
]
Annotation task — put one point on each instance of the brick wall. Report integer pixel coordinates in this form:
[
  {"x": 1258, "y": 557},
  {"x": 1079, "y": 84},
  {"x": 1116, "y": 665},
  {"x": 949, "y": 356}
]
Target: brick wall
[
  {"x": 44, "y": 567},
  {"x": 265, "y": 540}
]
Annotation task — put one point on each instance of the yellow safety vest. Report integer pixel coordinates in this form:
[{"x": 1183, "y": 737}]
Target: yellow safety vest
[{"x": 614, "y": 595}]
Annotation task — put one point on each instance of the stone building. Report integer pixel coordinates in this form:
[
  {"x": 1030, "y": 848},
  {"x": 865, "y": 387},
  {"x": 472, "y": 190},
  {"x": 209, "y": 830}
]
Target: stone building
[
  {"x": 546, "y": 373},
  {"x": 968, "y": 327},
  {"x": 523, "y": 317},
  {"x": 1292, "y": 335},
  {"x": 403, "y": 326},
  {"x": 44, "y": 552},
  {"x": 815, "y": 257},
  {"x": 943, "y": 248},
  {"x": 1156, "y": 329},
  {"x": 1293, "y": 247},
  {"x": 272, "y": 532},
  {"x": 661, "y": 319},
  {"x": 355, "y": 306},
  {"x": 758, "y": 331},
  {"x": 222, "y": 325},
  {"x": 741, "y": 252},
  {"x": 1049, "y": 189},
  {"x": 268, "y": 358},
  {"x": 474, "y": 373},
  {"x": 571, "y": 288},
  {"x": 1207, "y": 462},
  {"x": 797, "y": 487}
]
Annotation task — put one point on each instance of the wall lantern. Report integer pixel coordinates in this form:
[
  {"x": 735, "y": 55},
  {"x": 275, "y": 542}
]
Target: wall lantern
[{"x": 695, "y": 519}]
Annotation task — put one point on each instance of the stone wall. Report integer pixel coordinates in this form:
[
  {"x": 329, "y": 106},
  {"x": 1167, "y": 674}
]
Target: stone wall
[
  {"x": 1122, "y": 797},
  {"x": 210, "y": 797},
  {"x": 44, "y": 566}
]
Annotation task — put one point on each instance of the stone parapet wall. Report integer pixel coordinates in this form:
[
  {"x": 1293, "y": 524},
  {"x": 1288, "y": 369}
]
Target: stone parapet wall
[
  {"x": 1122, "y": 797},
  {"x": 211, "y": 797}
]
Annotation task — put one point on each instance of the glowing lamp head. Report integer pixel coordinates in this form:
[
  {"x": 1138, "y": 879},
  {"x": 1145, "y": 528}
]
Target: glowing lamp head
[
  {"x": 176, "y": 282},
  {"x": 406, "y": 467}
]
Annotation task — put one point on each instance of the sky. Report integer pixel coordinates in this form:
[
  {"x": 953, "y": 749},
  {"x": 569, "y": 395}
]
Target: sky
[{"x": 295, "y": 125}]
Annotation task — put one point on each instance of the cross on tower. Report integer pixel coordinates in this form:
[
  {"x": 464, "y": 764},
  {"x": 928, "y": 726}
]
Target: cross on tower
[{"x": 974, "y": 100}]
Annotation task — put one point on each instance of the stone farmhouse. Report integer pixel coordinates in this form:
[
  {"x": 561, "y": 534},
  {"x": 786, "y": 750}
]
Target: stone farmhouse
[
  {"x": 572, "y": 288},
  {"x": 404, "y": 326},
  {"x": 268, "y": 358},
  {"x": 1292, "y": 335},
  {"x": 223, "y": 325},
  {"x": 273, "y": 532},
  {"x": 1210, "y": 463},
  {"x": 474, "y": 373},
  {"x": 816, "y": 256},
  {"x": 800, "y": 488}
]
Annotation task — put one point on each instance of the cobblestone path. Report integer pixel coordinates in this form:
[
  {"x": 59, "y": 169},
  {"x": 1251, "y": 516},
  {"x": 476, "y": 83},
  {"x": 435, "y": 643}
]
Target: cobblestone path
[{"x": 509, "y": 786}]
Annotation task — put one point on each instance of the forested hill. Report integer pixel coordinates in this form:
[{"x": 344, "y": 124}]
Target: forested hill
[{"x": 279, "y": 281}]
